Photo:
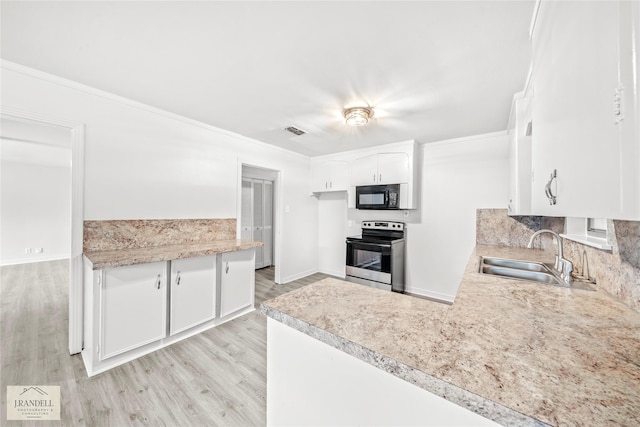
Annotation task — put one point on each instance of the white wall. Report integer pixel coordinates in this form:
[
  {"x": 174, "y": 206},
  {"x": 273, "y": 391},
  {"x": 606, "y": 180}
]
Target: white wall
[
  {"x": 332, "y": 214},
  {"x": 143, "y": 163},
  {"x": 456, "y": 178},
  {"x": 35, "y": 212}
]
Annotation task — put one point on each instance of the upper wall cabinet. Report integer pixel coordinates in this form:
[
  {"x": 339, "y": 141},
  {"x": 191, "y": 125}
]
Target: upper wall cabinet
[
  {"x": 585, "y": 148},
  {"x": 382, "y": 168},
  {"x": 329, "y": 175},
  {"x": 520, "y": 128}
]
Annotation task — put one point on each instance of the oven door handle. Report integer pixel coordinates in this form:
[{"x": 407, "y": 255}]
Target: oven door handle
[{"x": 377, "y": 245}]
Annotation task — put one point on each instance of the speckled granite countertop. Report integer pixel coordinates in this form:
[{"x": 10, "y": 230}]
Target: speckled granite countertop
[
  {"x": 515, "y": 352},
  {"x": 122, "y": 257}
]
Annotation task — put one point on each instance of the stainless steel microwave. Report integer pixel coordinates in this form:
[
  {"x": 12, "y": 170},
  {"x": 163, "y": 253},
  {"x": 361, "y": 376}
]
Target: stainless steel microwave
[{"x": 378, "y": 196}]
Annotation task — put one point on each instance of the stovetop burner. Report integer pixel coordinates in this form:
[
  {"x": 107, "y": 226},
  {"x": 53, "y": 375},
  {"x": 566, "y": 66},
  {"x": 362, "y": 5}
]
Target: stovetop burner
[{"x": 380, "y": 232}]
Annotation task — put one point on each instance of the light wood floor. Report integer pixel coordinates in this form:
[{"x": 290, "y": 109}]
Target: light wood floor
[{"x": 215, "y": 378}]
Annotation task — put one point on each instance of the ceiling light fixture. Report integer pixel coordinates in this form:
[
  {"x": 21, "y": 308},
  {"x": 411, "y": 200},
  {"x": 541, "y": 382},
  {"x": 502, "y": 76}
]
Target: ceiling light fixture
[{"x": 358, "y": 116}]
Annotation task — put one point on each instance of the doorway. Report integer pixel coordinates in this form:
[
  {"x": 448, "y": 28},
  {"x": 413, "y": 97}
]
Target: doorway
[
  {"x": 257, "y": 212},
  {"x": 37, "y": 148}
]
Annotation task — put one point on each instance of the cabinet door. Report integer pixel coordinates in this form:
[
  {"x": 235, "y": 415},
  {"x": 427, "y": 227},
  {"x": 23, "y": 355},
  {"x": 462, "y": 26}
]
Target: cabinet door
[
  {"x": 520, "y": 158},
  {"x": 330, "y": 175},
  {"x": 629, "y": 110},
  {"x": 193, "y": 296},
  {"x": 133, "y": 306},
  {"x": 393, "y": 168},
  {"x": 364, "y": 171},
  {"x": 575, "y": 75},
  {"x": 319, "y": 178},
  {"x": 338, "y": 175},
  {"x": 237, "y": 280}
]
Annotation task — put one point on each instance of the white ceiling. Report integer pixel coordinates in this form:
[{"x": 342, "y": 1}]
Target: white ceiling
[{"x": 432, "y": 70}]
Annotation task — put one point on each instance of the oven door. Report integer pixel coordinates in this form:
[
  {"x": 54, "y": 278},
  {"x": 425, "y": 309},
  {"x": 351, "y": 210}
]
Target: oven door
[{"x": 369, "y": 261}]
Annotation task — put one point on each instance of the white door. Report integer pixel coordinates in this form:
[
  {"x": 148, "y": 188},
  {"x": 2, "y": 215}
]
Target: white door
[
  {"x": 193, "y": 296},
  {"x": 133, "y": 307},
  {"x": 257, "y": 218},
  {"x": 246, "y": 220},
  {"x": 267, "y": 224},
  {"x": 237, "y": 280}
]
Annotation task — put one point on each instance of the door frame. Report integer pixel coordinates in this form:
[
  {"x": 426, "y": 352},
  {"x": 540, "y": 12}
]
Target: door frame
[
  {"x": 277, "y": 217},
  {"x": 77, "y": 217}
]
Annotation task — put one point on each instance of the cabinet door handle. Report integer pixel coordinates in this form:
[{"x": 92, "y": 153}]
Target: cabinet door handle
[
  {"x": 226, "y": 270},
  {"x": 374, "y": 177},
  {"x": 159, "y": 281},
  {"x": 330, "y": 184},
  {"x": 326, "y": 184},
  {"x": 380, "y": 178},
  {"x": 547, "y": 188},
  {"x": 178, "y": 278}
]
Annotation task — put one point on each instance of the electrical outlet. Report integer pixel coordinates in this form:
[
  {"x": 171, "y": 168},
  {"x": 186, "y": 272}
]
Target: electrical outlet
[{"x": 27, "y": 250}]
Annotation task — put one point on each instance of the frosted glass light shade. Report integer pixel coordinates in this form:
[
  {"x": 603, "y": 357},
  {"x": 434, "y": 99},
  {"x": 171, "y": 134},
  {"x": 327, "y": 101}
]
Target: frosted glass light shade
[{"x": 358, "y": 116}]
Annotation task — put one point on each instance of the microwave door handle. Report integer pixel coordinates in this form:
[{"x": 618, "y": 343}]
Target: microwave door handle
[{"x": 386, "y": 197}]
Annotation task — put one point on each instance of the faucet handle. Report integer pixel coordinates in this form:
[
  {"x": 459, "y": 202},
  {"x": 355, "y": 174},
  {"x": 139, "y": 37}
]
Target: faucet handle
[{"x": 567, "y": 268}]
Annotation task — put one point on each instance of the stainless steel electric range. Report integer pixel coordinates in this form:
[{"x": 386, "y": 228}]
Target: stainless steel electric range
[{"x": 376, "y": 258}]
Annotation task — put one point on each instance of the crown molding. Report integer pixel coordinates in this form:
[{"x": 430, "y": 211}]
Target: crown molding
[{"x": 50, "y": 78}]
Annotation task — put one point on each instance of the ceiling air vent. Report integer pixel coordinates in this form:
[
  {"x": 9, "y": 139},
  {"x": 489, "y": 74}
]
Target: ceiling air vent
[{"x": 295, "y": 131}]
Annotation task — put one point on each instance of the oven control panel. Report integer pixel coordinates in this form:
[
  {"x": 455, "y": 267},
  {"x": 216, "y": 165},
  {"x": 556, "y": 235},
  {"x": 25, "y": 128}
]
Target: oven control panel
[{"x": 383, "y": 225}]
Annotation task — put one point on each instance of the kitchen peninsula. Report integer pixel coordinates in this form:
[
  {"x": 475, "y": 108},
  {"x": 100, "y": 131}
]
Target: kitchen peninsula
[
  {"x": 151, "y": 283},
  {"x": 513, "y": 352}
]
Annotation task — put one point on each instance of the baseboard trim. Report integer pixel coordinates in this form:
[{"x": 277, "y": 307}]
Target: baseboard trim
[
  {"x": 335, "y": 273},
  {"x": 32, "y": 260},
  {"x": 297, "y": 276},
  {"x": 439, "y": 297}
]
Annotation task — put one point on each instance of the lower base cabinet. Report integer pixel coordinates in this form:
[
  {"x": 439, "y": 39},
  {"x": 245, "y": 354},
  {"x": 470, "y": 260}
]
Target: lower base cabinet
[
  {"x": 193, "y": 292},
  {"x": 134, "y": 310},
  {"x": 237, "y": 281},
  {"x": 133, "y": 303}
]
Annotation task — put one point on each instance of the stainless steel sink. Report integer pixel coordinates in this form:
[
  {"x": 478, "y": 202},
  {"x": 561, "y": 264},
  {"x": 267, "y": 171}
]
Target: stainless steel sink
[
  {"x": 520, "y": 265},
  {"x": 520, "y": 270}
]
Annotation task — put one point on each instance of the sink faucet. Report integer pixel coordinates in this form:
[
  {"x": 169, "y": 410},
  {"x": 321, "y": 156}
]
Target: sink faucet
[{"x": 562, "y": 266}]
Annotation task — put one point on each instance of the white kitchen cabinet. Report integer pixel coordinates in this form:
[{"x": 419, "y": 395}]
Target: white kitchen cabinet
[
  {"x": 329, "y": 175},
  {"x": 237, "y": 281},
  {"x": 381, "y": 168},
  {"x": 520, "y": 127},
  {"x": 133, "y": 307},
  {"x": 584, "y": 158},
  {"x": 629, "y": 109},
  {"x": 193, "y": 292},
  {"x": 134, "y": 310}
]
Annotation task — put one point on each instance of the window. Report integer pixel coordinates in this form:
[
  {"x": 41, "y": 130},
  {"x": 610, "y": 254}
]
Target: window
[
  {"x": 597, "y": 227},
  {"x": 588, "y": 231}
]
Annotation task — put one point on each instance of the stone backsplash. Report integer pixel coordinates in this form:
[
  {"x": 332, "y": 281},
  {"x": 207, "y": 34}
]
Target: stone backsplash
[
  {"x": 616, "y": 271},
  {"x": 129, "y": 234}
]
